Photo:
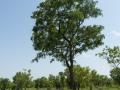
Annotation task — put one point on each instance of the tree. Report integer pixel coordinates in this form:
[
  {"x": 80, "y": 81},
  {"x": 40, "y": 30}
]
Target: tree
[
  {"x": 4, "y": 84},
  {"x": 115, "y": 74},
  {"x": 87, "y": 78},
  {"x": 93, "y": 79},
  {"x": 112, "y": 55},
  {"x": 81, "y": 76},
  {"x": 60, "y": 31},
  {"x": 41, "y": 82},
  {"x": 62, "y": 79},
  {"x": 37, "y": 83},
  {"x": 22, "y": 80},
  {"x": 52, "y": 79}
]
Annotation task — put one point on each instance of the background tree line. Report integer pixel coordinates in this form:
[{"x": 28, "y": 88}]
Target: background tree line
[{"x": 84, "y": 78}]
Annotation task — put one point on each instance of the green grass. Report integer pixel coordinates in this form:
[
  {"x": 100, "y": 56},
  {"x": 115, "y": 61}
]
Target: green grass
[{"x": 80, "y": 89}]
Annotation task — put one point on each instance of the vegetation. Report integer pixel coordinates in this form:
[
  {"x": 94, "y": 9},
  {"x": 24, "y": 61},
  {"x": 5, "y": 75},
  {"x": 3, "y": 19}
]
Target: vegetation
[
  {"x": 60, "y": 31},
  {"x": 115, "y": 75},
  {"x": 112, "y": 55},
  {"x": 22, "y": 80},
  {"x": 4, "y": 83},
  {"x": 85, "y": 79}
]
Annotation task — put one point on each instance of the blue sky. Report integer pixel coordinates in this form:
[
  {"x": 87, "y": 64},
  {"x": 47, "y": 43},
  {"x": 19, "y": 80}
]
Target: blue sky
[{"x": 16, "y": 51}]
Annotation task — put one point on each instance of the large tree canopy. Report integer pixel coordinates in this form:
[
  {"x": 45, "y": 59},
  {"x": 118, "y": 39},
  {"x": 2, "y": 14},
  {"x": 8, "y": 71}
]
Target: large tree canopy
[{"x": 60, "y": 31}]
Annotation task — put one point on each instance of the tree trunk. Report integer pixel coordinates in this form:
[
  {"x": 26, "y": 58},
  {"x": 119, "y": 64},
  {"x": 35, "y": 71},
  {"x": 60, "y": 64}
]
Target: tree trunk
[
  {"x": 71, "y": 69},
  {"x": 72, "y": 79}
]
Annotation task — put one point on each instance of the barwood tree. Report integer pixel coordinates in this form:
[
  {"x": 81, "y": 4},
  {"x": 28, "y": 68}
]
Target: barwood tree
[{"x": 60, "y": 31}]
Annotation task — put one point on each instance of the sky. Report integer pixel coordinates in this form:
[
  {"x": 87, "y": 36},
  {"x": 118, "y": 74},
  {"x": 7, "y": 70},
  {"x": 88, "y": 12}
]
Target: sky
[{"x": 16, "y": 50}]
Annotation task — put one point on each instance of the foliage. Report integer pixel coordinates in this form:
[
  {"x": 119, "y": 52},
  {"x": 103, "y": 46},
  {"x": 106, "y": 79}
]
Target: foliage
[
  {"x": 112, "y": 55},
  {"x": 62, "y": 79},
  {"x": 22, "y": 80},
  {"x": 84, "y": 78},
  {"x": 60, "y": 31},
  {"x": 41, "y": 82},
  {"x": 115, "y": 74},
  {"x": 4, "y": 83},
  {"x": 52, "y": 80},
  {"x": 60, "y": 23}
]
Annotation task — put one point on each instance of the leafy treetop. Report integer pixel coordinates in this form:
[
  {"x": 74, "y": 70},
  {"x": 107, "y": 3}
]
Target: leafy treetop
[{"x": 59, "y": 29}]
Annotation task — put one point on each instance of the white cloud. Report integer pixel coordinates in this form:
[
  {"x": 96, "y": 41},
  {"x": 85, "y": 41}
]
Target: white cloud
[{"x": 116, "y": 33}]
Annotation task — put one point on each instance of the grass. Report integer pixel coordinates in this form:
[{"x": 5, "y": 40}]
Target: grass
[{"x": 100, "y": 88}]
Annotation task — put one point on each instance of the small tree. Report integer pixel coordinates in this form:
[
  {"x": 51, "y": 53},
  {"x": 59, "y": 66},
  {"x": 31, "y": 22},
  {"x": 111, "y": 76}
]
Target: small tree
[
  {"x": 37, "y": 83},
  {"x": 112, "y": 55},
  {"x": 81, "y": 76},
  {"x": 22, "y": 80},
  {"x": 60, "y": 31},
  {"x": 51, "y": 79},
  {"x": 4, "y": 84},
  {"x": 41, "y": 82},
  {"x": 62, "y": 79},
  {"x": 115, "y": 74}
]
